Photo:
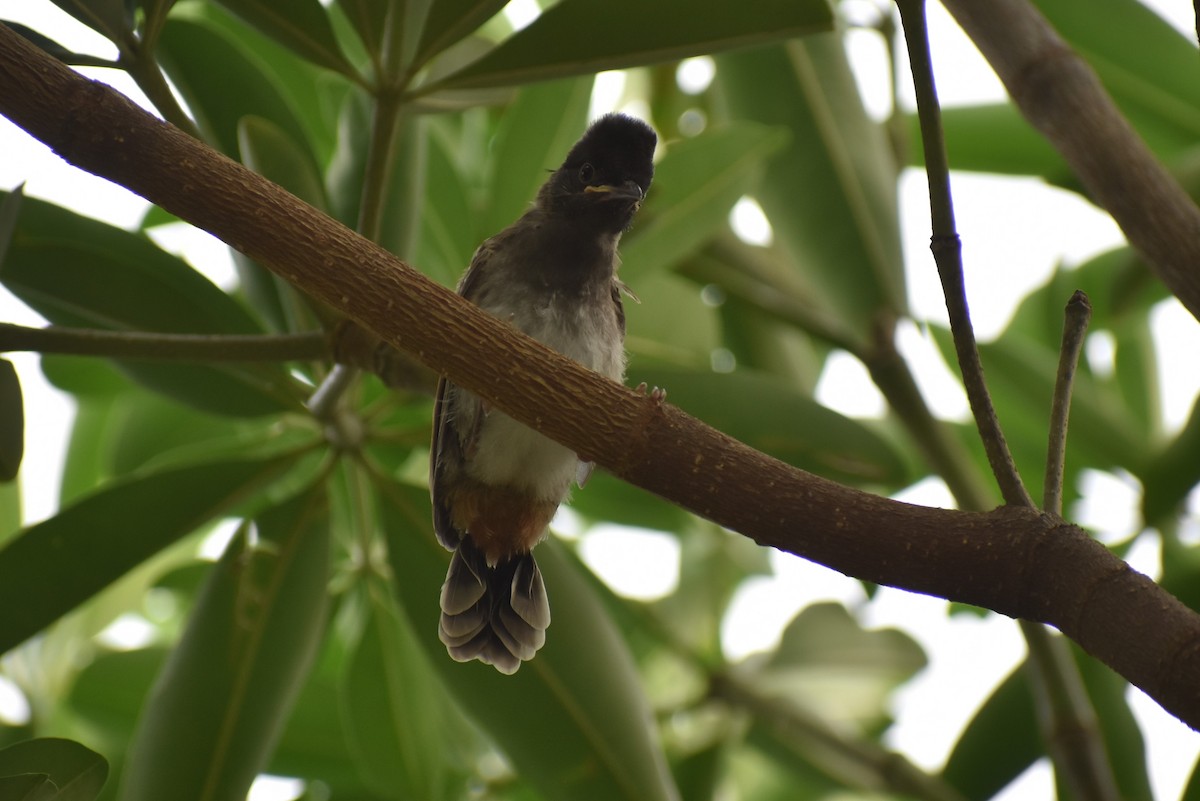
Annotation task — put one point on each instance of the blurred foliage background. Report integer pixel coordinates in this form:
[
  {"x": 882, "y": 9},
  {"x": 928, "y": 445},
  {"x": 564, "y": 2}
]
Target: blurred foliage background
[{"x": 309, "y": 649}]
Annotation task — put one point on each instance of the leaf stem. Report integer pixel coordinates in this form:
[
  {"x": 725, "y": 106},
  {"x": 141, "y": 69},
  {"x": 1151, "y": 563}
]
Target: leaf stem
[{"x": 171, "y": 347}]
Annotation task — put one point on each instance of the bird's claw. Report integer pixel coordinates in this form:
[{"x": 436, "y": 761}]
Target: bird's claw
[{"x": 657, "y": 394}]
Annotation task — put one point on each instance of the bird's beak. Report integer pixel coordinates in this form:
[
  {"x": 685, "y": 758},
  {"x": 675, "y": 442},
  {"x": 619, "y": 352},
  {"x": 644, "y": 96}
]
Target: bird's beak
[{"x": 626, "y": 191}]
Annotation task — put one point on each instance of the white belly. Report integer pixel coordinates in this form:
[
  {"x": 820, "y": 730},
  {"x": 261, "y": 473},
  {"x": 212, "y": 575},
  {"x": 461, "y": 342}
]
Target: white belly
[{"x": 508, "y": 452}]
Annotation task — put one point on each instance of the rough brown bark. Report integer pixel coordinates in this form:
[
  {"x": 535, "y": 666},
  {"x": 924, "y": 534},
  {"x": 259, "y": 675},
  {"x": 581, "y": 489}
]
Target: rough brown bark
[{"x": 1014, "y": 561}]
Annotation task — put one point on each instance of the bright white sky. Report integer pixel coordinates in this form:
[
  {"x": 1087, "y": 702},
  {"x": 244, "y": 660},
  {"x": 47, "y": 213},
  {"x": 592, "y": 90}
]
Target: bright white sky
[{"x": 1041, "y": 227}]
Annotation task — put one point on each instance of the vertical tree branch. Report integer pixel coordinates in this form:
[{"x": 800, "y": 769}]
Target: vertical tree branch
[
  {"x": 947, "y": 252},
  {"x": 1065, "y": 714},
  {"x": 1078, "y": 314}
]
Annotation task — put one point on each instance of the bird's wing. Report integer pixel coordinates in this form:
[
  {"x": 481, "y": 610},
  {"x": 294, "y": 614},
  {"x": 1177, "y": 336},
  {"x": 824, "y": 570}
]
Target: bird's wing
[{"x": 456, "y": 419}]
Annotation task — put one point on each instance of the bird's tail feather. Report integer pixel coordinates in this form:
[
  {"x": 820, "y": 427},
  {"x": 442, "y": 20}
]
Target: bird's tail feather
[{"x": 496, "y": 614}]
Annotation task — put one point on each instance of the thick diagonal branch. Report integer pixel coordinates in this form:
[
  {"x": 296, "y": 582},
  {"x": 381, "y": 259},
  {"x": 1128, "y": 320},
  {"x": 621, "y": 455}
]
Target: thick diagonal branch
[{"x": 1014, "y": 561}]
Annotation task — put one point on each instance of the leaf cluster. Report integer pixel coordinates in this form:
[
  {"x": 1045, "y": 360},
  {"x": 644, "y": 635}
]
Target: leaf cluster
[{"x": 309, "y": 647}]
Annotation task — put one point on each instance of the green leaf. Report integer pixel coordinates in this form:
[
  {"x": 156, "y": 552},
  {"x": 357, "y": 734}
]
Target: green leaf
[
  {"x": 992, "y": 138},
  {"x": 999, "y": 743},
  {"x": 831, "y": 193},
  {"x": 447, "y": 237},
  {"x": 54, "y": 566},
  {"x": 670, "y": 325},
  {"x": 272, "y": 153},
  {"x": 581, "y": 37},
  {"x": 1171, "y": 473},
  {"x": 1123, "y": 741},
  {"x": 77, "y": 773},
  {"x": 222, "y": 82},
  {"x": 12, "y": 422},
  {"x": 77, "y": 271},
  {"x": 27, "y": 787},
  {"x": 1191, "y": 792},
  {"x": 768, "y": 414},
  {"x": 112, "y": 18},
  {"x": 451, "y": 20},
  {"x": 110, "y": 692},
  {"x": 826, "y": 662},
  {"x": 240, "y": 663},
  {"x": 1143, "y": 62},
  {"x": 695, "y": 186},
  {"x": 533, "y": 137},
  {"x": 300, "y": 25},
  {"x": 594, "y": 739},
  {"x": 370, "y": 20},
  {"x": 55, "y": 49},
  {"x": 403, "y": 730}
]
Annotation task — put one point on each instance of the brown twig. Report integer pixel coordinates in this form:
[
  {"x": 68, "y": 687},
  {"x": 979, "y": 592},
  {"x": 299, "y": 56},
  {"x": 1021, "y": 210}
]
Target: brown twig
[
  {"x": 162, "y": 346},
  {"x": 947, "y": 252}
]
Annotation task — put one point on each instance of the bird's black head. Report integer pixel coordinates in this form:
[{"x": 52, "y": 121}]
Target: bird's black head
[{"x": 606, "y": 175}]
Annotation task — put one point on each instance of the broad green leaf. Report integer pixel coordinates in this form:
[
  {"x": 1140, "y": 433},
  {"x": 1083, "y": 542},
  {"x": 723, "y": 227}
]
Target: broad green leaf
[
  {"x": 695, "y": 186},
  {"x": 999, "y": 743},
  {"x": 992, "y": 138},
  {"x": 76, "y": 271},
  {"x": 10, "y": 214},
  {"x": 713, "y": 565},
  {"x": 609, "y": 500},
  {"x": 110, "y": 692},
  {"x": 112, "y": 18},
  {"x": 12, "y": 422},
  {"x": 1191, "y": 792},
  {"x": 27, "y": 787},
  {"x": 831, "y": 194},
  {"x": 669, "y": 324},
  {"x": 451, "y": 20},
  {"x": 300, "y": 25},
  {"x": 447, "y": 234},
  {"x": 403, "y": 730},
  {"x": 1144, "y": 63},
  {"x": 10, "y": 511},
  {"x": 581, "y": 37},
  {"x": 534, "y": 136},
  {"x": 769, "y": 415},
  {"x": 87, "y": 464},
  {"x": 1171, "y": 473},
  {"x": 574, "y": 720},
  {"x": 827, "y": 663},
  {"x": 370, "y": 20},
  {"x": 77, "y": 772},
  {"x": 314, "y": 743},
  {"x": 272, "y": 153},
  {"x": 55, "y": 49},
  {"x": 54, "y": 566},
  {"x": 1021, "y": 375},
  {"x": 1123, "y": 741},
  {"x": 239, "y": 665},
  {"x": 311, "y": 94},
  {"x": 223, "y": 82},
  {"x": 402, "y": 189}
]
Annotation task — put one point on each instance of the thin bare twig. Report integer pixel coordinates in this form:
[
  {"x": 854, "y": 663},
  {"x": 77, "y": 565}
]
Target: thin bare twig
[
  {"x": 947, "y": 252},
  {"x": 1063, "y": 706},
  {"x": 306, "y": 346},
  {"x": 1078, "y": 314}
]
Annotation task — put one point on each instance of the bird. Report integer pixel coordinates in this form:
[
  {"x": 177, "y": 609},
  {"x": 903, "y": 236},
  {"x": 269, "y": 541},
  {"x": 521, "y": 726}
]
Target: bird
[{"x": 495, "y": 483}]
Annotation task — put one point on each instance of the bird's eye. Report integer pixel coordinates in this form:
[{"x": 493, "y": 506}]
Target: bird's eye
[{"x": 587, "y": 173}]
